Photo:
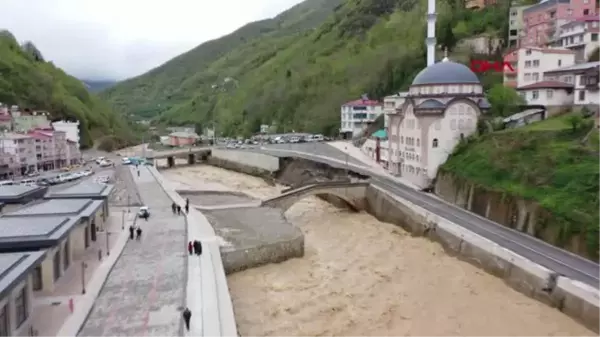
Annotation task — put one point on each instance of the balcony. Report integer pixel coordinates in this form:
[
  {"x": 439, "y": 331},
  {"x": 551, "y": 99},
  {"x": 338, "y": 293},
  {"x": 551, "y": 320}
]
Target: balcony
[{"x": 510, "y": 83}]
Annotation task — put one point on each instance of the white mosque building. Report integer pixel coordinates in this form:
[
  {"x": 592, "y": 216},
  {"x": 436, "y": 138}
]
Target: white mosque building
[{"x": 443, "y": 105}]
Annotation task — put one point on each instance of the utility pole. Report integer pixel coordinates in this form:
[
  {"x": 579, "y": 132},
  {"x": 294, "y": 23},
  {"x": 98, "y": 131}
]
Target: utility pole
[
  {"x": 123, "y": 220},
  {"x": 83, "y": 266}
]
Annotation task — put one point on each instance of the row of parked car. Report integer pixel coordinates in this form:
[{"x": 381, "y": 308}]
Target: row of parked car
[{"x": 48, "y": 181}]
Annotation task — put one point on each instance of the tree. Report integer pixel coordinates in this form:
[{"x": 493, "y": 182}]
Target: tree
[
  {"x": 198, "y": 128},
  {"x": 575, "y": 120},
  {"x": 504, "y": 100},
  {"x": 446, "y": 38}
]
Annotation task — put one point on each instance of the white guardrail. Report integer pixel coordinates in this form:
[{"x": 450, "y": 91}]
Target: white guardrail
[{"x": 207, "y": 293}]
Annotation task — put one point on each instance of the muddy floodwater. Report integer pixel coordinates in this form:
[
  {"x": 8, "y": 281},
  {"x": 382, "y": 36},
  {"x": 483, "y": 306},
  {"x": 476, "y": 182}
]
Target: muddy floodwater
[{"x": 360, "y": 276}]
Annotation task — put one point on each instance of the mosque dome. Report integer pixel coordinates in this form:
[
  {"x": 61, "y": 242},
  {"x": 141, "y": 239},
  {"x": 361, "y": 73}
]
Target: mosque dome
[{"x": 446, "y": 72}]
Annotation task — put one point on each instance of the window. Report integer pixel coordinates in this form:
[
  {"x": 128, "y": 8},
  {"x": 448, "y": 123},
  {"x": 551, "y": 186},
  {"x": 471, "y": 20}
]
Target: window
[
  {"x": 549, "y": 93},
  {"x": 453, "y": 124},
  {"x": 586, "y": 12},
  {"x": 527, "y": 64},
  {"x": 536, "y": 63},
  {"x": 401, "y": 139},
  {"x": 435, "y": 143},
  {"x": 4, "y": 322},
  {"x": 569, "y": 12},
  {"x": 418, "y": 142},
  {"x": 21, "y": 307},
  {"x": 535, "y": 94},
  {"x": 581, "y": 95},
  {"x": 594, "y": 36},
  {"x": 569, "y": 79},
  {"x": 528, "y": 52},
  {"x": 559, "y": 63},
  {"x": 461, "y": 124},
  {"x": 535, "y": 77},
  {"x": 37, "y": 278},
  {"x": 56, "y": 265},
  {"x": 527, "y": 76}
]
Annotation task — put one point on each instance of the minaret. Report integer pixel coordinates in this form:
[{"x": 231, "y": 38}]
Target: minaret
[{"x": 430, "y": 41}]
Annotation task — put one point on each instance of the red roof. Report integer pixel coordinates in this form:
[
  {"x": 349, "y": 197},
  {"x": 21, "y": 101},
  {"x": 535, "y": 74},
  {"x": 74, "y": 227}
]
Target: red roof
[
  {"x": 39, "y": 135},
  {"x": 362, "y": 102},
  {"x": 547, "y": 85}
]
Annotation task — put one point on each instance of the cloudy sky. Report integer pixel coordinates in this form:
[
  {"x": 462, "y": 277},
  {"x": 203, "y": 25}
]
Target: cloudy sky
[{"x": 117, "y": 39}]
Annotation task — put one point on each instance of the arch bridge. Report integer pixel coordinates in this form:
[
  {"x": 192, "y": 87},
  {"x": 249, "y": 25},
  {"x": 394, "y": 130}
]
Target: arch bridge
[{"x": 353, "y": 193}]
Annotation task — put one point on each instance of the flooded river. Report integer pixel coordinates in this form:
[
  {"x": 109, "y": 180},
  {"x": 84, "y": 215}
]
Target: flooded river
[{"x": 360, "y": 276}]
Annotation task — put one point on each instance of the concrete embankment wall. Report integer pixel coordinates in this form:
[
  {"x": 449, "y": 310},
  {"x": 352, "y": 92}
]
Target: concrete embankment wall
[
  {"x": 509, "y": 210},
  {"x": 244, "y": 161},
  {"x": 571, "y": 297}
]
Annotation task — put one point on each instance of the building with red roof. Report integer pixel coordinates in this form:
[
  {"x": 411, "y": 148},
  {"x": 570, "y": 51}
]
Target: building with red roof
[{"x": 357, "y": 115}]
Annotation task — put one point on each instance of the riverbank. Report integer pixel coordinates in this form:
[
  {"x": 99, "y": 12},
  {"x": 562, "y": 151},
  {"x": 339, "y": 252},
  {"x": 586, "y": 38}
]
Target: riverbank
[{"x": 360, "y": 276}]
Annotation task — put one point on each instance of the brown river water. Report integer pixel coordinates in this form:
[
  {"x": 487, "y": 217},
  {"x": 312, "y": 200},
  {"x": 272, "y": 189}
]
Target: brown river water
[{"x": 360, "y": 276}]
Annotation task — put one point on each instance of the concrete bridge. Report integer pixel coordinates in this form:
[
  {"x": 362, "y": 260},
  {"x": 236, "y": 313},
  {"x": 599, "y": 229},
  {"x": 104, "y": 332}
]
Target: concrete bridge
[
  {"x": 192, "y": 154},
  {"x": 353, "y": 193}
]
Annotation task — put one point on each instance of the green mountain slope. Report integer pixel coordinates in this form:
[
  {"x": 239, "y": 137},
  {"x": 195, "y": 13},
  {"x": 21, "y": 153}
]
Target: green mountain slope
[
  {"x": 299, "y": 80},
  {"x": 30, "y": 82},
  {"x": 174, "y": 82}
]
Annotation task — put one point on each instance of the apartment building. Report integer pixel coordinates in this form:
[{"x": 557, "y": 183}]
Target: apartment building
[
  {"x": 71, "y": 129},
  {"x": 357, "y": 115},
  {"x": 516, "y": 25},
  {"x": 542, "y": 21},
  {"x": 20, "y": 150},
  {"x": 579, "y": 35},
  {"x": 532, "y": 63},
  {"x": 390, "y": 104}
]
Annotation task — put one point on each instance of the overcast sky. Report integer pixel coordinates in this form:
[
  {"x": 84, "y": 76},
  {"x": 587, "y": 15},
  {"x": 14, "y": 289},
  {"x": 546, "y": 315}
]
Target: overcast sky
[{"x": 118, "y": 39}]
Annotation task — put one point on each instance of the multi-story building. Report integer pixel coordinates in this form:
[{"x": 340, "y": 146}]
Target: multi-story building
[
  {"x": 27, "y": 121},
  {"x": 579, "y": 35},
  {"x": 564, "y": 87},
  {"x": 532, "y": 63},
  {"x": 542, "y": 22},
  {"x": 21, "y": 149},
  {"x": 70, "y": 128},
  {"x": 579, "y": 8},
  {"x": 357, "y": 115},
  {"x": 516, "y": 25}
]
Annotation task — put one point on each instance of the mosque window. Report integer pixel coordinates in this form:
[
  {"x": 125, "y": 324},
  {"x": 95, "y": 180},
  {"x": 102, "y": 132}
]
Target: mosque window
[
  {"x": 453, "y": 124},
  {"x": 461, "y": 124},
  {"x": 402, "y": 139},
  {"x": 418, "y": 142},
  {"x": 435, "y": 142}
]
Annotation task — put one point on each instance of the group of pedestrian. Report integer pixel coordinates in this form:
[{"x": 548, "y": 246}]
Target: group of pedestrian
[
  {"x": 195, "y": 247},
  {"x": 135, "y": 231},
  {"x": 177, "y": 209}
]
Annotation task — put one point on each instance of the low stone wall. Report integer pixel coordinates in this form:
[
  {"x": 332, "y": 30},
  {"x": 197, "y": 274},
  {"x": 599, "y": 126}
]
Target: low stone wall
[
  {"x": 238, "y": 167},
  {"x": 276, "y": 252}
]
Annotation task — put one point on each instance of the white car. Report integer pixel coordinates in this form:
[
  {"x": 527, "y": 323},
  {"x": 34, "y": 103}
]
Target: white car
[{"x": 105, "y": 163}]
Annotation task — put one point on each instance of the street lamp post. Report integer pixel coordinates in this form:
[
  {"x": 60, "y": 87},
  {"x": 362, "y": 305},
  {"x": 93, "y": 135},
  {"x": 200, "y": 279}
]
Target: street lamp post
[
  {"x": 128, "y": 208},
  {"x": 83, "y": 266},
  {"x": 123, "y": 220}
]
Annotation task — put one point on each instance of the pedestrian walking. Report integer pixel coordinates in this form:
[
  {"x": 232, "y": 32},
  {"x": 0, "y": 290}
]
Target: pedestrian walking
[
  {"x": 174, "y": 208},
  {"x": 187, "y": 208},
  {"x": 138, "y": 171},
  {"x": 187, "y": 316},
  {"x": 197, "y": 247},
  {"x": 138, "y": 231},
  {"x": 178, "y": 210},
  {"x": 131, "y": 230},
  {"x": 190, "y": 247}
]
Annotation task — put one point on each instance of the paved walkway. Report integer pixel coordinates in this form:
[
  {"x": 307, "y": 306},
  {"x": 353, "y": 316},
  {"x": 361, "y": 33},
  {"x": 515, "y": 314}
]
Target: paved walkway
[{"x": 145, "y": 289}]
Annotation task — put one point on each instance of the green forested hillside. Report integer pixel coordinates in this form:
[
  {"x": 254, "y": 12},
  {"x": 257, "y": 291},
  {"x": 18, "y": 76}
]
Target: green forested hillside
[
  {"x": 298, "y": 78},
  {"x": 27, "y": 80}
]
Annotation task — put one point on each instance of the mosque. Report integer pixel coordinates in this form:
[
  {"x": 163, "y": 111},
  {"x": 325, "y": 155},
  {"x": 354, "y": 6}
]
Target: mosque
[{"x": 442, "y": 106}]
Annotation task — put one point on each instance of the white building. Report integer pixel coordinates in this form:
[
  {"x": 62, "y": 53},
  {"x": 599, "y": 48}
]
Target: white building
[
  {"x": 390, "y": 104},
  {"x": 71, "y": 129},
  {"x": 357, "y": 115},
  {"x": 443, "y": 105},
  {"x": 583, "y": 79},
  {"x": 534, "y": 62},
  {"x": 580, "y": 36}
]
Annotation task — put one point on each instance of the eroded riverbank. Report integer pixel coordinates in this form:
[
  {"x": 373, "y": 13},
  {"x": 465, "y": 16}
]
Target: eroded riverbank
[{"x": 363, "y": 277}]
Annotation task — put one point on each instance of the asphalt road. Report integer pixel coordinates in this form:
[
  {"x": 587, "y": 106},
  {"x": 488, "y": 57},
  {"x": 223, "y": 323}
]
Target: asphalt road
[{"x": 551, "y": 257}]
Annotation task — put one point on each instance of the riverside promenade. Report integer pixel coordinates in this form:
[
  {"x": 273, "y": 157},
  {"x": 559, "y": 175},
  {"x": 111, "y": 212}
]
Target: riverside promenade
[{"x": 144, "y": 293}]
